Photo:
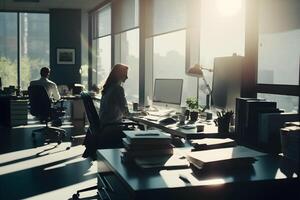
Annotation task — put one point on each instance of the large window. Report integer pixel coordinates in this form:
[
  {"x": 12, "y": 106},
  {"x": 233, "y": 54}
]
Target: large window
[
  {"x": 166, "y": 46},
  {"x": 103, "y": 58},
  {"x": 285, "y": 102},
  {"x": 8, "y": 48},
  {"x": 126, "y": 43},
  {"x": 124, "y": 34},
  {"x": 222, "y": 33},
  {"x": 34, "y": 46},
  {"x": 279, "y": 52},
  {"x": 33, "y": 43},
  {"x": 176, "y": 34},
  {"x": 127, "y": 52},
  {"x": 279, "y": 42},
  {"x": 101, "y": 44},
  {"x": 222, "y": 29},
  {"x": 169, "y": 61}
]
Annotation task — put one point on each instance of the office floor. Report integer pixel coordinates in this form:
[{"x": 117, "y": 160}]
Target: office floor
[{"x": 44, "y": 171}]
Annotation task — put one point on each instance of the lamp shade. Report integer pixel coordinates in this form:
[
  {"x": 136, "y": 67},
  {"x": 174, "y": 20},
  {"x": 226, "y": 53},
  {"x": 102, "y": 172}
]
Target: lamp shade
[{"x": 195, "y": 70}]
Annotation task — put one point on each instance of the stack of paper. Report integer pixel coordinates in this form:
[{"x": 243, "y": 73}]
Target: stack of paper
[
  {"x": 145, "y": 144},
  {"x": 222, "y": 158},
  {"x": 212, "y": 143}
]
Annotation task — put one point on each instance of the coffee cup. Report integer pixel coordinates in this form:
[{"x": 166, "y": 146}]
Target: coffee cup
[
  {"x": 181, "y": 119},
  {"x": 200, "y": 128},
  {"x": 135, "y": 106},
  {"x": 209, "y": 116}
]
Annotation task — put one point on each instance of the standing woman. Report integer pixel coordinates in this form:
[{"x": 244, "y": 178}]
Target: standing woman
[{"x": 113, "y": 107}]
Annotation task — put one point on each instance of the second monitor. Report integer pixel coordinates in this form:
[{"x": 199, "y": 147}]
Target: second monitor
[{"x": 168, "y": 91}]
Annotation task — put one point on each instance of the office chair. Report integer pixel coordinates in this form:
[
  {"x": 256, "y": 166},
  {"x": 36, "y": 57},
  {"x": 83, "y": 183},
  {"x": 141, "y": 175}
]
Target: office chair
[
  {"x": 41, "y": 107},
  {"x": 95, "y": 128}
]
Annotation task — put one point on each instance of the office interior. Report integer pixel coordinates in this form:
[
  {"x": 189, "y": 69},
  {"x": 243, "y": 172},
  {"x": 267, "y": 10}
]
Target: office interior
[{"x": 158, "y": 40}]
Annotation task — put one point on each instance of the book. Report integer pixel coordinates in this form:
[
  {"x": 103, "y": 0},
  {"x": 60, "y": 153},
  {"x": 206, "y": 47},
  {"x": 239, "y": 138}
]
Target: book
[
  {"x": 162, "y": 162},
  {"x": 145, "y": 153},
  {"x": 296, "y": 123},
  {"x": 212, "y": 143},
  {"x": 223, "y": 157},
  {"x": 290, "y": 142},
  {"x": 147, "y": 137},
  {"x": 247, "y": 112},
  {"x": 269, "y": 125},
  {"x": 145, "y": 146},
  {"x": 240, "y": 116}
]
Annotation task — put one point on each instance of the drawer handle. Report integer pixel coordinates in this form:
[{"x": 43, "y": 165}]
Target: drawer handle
[
  {"x": 106, "y": 183},
  {"x": 103, "y": 194}
]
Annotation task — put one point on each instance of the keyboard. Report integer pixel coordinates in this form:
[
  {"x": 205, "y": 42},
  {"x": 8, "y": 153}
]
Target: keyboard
[
  {"x": 167, "y": 121},
  {"x": 152, "y": 118},
  {"x": 161, "y": 113}
]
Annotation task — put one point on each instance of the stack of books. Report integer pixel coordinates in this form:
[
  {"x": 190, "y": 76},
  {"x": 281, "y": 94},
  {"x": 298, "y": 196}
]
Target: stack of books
[
  {"x": 290, "y": 141},
  {"x": 145, "y": 144}
]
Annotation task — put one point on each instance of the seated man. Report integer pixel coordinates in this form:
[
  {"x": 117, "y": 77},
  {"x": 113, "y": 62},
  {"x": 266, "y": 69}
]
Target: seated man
[
  {"x": 51, "y": 89},
  {"x": 50, "y": 86}
]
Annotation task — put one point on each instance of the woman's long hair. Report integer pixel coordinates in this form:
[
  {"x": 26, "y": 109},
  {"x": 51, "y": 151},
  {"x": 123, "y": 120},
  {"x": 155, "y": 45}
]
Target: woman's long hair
[{"x": 117, "y": 74}]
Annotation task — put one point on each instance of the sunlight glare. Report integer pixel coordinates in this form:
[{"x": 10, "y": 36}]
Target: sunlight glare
[
  {"x": 42, "y": 160},
  {"x": 16, "y": 155},
  {"x": 66, "y": 192},
  {"x": 229, "y": 7},
  {"x": 60, "y": 165}
]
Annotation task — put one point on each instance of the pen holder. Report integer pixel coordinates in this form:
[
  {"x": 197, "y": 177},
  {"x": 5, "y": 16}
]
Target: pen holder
[
  {"x": 135, "y": 106},
  {"x": 181, "y": 119},
  {"x": 223, "y": 125}
]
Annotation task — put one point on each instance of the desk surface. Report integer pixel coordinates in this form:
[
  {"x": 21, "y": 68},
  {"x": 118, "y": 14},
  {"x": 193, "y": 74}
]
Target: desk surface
[
  {"x": 139, "y": 182},
  {"x": 10, "y": 97},
  {"x": 75, "y": 97},
  {"x": 210, "y": 129}
]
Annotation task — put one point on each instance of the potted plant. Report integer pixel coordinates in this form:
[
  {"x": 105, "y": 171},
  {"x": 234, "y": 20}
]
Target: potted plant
[{"x": 193, "y": 107}]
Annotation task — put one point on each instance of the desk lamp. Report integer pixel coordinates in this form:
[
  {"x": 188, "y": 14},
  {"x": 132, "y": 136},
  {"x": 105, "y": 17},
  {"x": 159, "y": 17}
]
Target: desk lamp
[{"x": 197, "y": 71}]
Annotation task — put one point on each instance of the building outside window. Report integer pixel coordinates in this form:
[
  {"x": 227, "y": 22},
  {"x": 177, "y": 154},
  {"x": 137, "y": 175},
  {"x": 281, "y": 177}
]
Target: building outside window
[{"x": 127, "y": 52}]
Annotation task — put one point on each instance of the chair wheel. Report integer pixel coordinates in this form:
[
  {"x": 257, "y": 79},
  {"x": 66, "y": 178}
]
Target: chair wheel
[{"x": 75, "y": 196}]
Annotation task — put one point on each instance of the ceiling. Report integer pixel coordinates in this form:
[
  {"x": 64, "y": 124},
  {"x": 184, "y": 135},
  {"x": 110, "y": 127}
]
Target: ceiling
[{"x": 45, "y": 5}]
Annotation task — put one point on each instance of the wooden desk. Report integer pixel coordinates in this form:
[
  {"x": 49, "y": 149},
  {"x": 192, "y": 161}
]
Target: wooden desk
[
  {"x": 270, "y": 177},
  {"x": 210, "y": 130},
  {"x": 77, "y": 108},
  {"x": 76, "y": 97},
  {"x": 14, "y": 110}
]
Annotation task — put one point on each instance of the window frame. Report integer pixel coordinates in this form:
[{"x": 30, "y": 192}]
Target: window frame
[
  {"x": 251, "y": 87},
  {"x": 19, "y": 40}
]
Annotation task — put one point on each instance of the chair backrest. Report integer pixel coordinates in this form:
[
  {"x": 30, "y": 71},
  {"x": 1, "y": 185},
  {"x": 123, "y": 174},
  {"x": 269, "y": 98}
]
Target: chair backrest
[
  {"x": 40, "y": 103},
  {"x": 91, "y": 112}
]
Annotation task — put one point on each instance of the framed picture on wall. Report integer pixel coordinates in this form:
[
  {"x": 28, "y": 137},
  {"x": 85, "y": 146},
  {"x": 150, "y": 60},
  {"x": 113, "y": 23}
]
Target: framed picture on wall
[{"x": 65, "y": 56}]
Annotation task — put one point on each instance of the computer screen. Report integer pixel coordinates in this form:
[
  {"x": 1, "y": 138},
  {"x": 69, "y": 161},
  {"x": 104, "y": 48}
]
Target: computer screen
[
  {"x": 226, "y": 84},
  {"x": 168, "y": 91}
]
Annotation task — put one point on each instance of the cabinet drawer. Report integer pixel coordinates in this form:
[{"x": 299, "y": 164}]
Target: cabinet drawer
[{"x": 110, "y": 187}]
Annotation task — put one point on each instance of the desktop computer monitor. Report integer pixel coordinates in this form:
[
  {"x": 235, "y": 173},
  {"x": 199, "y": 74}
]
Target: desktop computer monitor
[
  {"x": 226, "y": 86},
  {"x": 168, "y": 91}
]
